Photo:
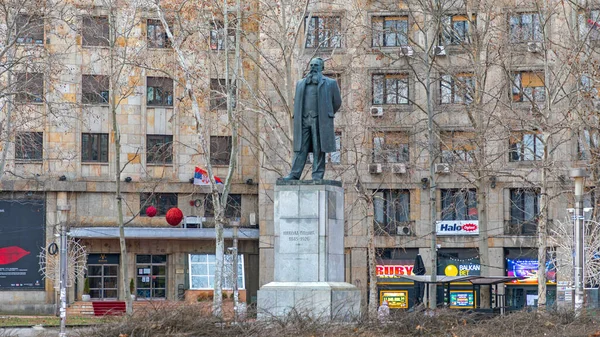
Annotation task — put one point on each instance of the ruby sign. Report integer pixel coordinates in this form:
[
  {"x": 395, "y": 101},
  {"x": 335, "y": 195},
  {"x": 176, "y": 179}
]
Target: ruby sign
[
  {"x": 392, "y": 271},
  {"x": 457, "y": 227}
]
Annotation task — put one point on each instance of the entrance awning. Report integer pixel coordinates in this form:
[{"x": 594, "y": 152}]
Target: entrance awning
[
  {"x": 161, "y": 233},
  {"x": 473, "y": 279}
]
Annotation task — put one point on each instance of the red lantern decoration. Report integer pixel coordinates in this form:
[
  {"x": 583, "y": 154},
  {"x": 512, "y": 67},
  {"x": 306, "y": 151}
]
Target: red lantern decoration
[
  {"x": 174, "y": 216},
  {"x": 151, "y": 211}
]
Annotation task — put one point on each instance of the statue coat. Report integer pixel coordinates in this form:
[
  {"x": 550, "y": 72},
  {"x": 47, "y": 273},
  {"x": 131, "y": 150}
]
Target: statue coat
[{"x": 329, "y": 102}]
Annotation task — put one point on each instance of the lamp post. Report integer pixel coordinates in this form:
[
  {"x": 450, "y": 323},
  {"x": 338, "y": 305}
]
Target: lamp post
[{"x": 579, "y": 176}]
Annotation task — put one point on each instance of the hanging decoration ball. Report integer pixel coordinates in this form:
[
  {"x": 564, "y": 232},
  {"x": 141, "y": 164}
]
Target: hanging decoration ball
[
  {"x": 151, "y": 211},
  {"x": 174, "y": 216}
]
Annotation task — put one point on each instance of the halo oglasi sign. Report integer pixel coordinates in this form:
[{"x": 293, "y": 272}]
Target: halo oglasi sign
[{"x": 457, "y": 227}]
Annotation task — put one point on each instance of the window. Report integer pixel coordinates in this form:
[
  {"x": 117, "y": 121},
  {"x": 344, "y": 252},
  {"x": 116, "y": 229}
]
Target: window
[
  {"x": 457, "y": 89},
  {"x": 220, "y": 150},
  {"x": 391, "y": 209},
  {"x": 161, "y": 201},
  {"x": 202, "y": 271},
  {"x": 151, "y": 276},
  {"x": 94, "y": 89},
  {"x": 29, "y": 146},
  {"x": 94, "y": 147},
  {"x": 157, "y": 37},
  {"x": 528, "y": 86},
  {"x": 95, "y": 31},
  {"x": 524, "y": 210},
  {"x": 159, "y": 149},
  {"x": 390, "y": 89},
  {"x": 459, "y": 204},
  {"x": 323, "y": 32},
  {"x": 525, "y": 27},
  {"x": 233, "y": 209},
  {"x": 30, "y": 29},
  {"x": 159, "y": 91},
  {"x": 587, "y": 143},
  {"x": 103, "y": 280},
  {"x": 526, "y": 146},
  {"x": 217, "y": 36},
  {"x": 457, "y": 146},
  {"x": 588, "y": 22},
  {"x": 456, "y": 29},
  {"x": 390, "y": 31},
  {"x": 30, "y": 87},
  {"x": 218, "y": 94},
  {"x": 390, "y": 147}
]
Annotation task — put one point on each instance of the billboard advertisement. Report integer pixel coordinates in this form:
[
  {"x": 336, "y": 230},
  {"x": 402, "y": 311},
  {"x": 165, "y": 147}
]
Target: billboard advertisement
[
  {"x": 457, "y": 227},
  {"x": 526, "y": 270},
  {"x": 396, "y": 299},
  {"x": 462, "y": 299},
  {"x": 22, "y": 236}
]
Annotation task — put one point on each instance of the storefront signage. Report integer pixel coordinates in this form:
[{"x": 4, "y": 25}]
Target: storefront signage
[
  {"x": 103, "y": 259},
  {"x": 393, "y": 271},
  {"x": 455, "y": 227},
  {"x": 527, "y": 271},
  {"x": 395, "y": 299},
  {"x": 462, "y": 299},
  {"x": 22, "y": 234}
]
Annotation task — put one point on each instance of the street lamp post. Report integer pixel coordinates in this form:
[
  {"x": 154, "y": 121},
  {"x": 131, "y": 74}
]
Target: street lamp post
[{"x": 578, "y": 263}]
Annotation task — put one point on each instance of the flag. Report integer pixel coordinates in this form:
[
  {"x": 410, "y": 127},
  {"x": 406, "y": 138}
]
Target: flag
[{"x": 201, "y": 177}]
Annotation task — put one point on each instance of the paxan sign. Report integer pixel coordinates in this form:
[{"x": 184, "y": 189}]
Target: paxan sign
[{"x": 392, "y": 271}]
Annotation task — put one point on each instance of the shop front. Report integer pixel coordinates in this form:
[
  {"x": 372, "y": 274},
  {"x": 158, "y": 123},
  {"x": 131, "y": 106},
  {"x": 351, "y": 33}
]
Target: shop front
[
  {"x": 523, "y": 293},
  {"x": 458, "y": 262},
  {"x": 103, "y": 276},
  {"x": 392, "y": 265}
]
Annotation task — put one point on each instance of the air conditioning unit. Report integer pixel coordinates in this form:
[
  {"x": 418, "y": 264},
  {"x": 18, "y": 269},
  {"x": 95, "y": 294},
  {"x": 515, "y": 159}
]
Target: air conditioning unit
[
  {"x": 376, "y": 111},
  {"x": 193, "y": 222},
  {"x": 403, "y": 229},
  {"x": 534, "y": 47},
  {"x": 398, "y": 168},
  {"x": 375, "y": 169},
  {"x": 252, "y": 217},
  {"x": 439, "y": 51},
  {"x": 406, "y": 51},
  {"x": 442, "y": 168}
]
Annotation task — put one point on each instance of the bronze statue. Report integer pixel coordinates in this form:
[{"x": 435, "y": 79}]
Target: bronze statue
[{"x": 316, "y": 102}]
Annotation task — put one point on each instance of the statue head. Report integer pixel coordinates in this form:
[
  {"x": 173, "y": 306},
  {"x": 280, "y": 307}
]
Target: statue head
[{"x": 316, "y": 65}]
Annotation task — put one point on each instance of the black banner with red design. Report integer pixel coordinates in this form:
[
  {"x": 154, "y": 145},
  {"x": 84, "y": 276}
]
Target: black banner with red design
[{"x": 22, "y": 234}]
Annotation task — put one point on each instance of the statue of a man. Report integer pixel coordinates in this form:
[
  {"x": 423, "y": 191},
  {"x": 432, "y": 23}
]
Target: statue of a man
[{"x": 316, "y": 102}]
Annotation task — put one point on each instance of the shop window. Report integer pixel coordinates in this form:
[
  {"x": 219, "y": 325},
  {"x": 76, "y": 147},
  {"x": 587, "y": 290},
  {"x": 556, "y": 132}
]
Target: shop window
[
  {"x": 391, "y": 211},
  {"x": 390, "y": 31},
  {"x": 94, "y": 147},
  {"x": 218, "y": 94},
  {"x": 524, "y": 211},
  {"x": 323, "y": 32},
  {"x": 30, "y": 87},
  {"x": 159, "y": 91},
  {"x": 29, "y": 146},
  {"x": 528, "y": 86},
  {"x": 151, "y": 276},
  {"x": 588, "y": 22},
  {"x": 103, "y": 281},
  {"x": 202, "y": 271},
  {"x": 233, "y": 209},
  {"x": 457, "y": 89},
  {"x": 220, "y": 150},
  {"x": 390, "y": 89},
  {"x": 457, "y": 146},
  {"x": 525, "y": 27},
  {"x": 95, "y": 31},
  {"x": 30, "y": 29},
  {"x": 526, "y": 146},
  {"x": 588, "y": 145},
  {"x": 161, "y": 201},
  {"x": 456, "y": 29},
  {"x": 94, "y": 89},
  {"x": 217, "y": 35},
  {"x": 156, "y": 35},
  {"x": 159, "y": 149},
  {"x": 390, "y": 147},
  {"x": 459, "y": 204}
]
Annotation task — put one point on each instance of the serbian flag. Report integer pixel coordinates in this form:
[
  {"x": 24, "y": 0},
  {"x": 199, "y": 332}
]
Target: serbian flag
[{"x": 201, "y": 177}]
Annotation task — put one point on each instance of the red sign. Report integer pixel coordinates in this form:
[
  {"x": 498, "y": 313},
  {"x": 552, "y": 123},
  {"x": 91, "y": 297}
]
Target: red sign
[
  {"x": 391, "y": 271},
  {"x": 469, "y": 227}
]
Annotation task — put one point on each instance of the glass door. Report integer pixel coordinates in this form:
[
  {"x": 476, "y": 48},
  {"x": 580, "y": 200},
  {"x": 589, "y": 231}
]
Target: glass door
[
  {"x": 151, "y": 275},
  {"x": 103, "y": 281}
]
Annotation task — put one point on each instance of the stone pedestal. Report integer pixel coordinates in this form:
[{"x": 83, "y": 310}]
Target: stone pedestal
[{"x": 309, "y": 254}]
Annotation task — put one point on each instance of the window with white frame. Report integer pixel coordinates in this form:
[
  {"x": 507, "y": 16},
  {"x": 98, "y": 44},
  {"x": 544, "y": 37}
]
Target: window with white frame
[
  {"x": 202, "y": 271},
  {"x": 528, "y": 86},
  {"x": 390, "y": 31},
  {"x": 457, "y": 89},
  {"x": 525, "y": 27}
]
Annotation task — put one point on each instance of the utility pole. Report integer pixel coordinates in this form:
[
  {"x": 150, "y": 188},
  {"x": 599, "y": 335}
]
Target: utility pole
[
  {"x": 63, "y": 208},
  {"x": 579, "y": 176},
  {"x": 236, "y": 295}
]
